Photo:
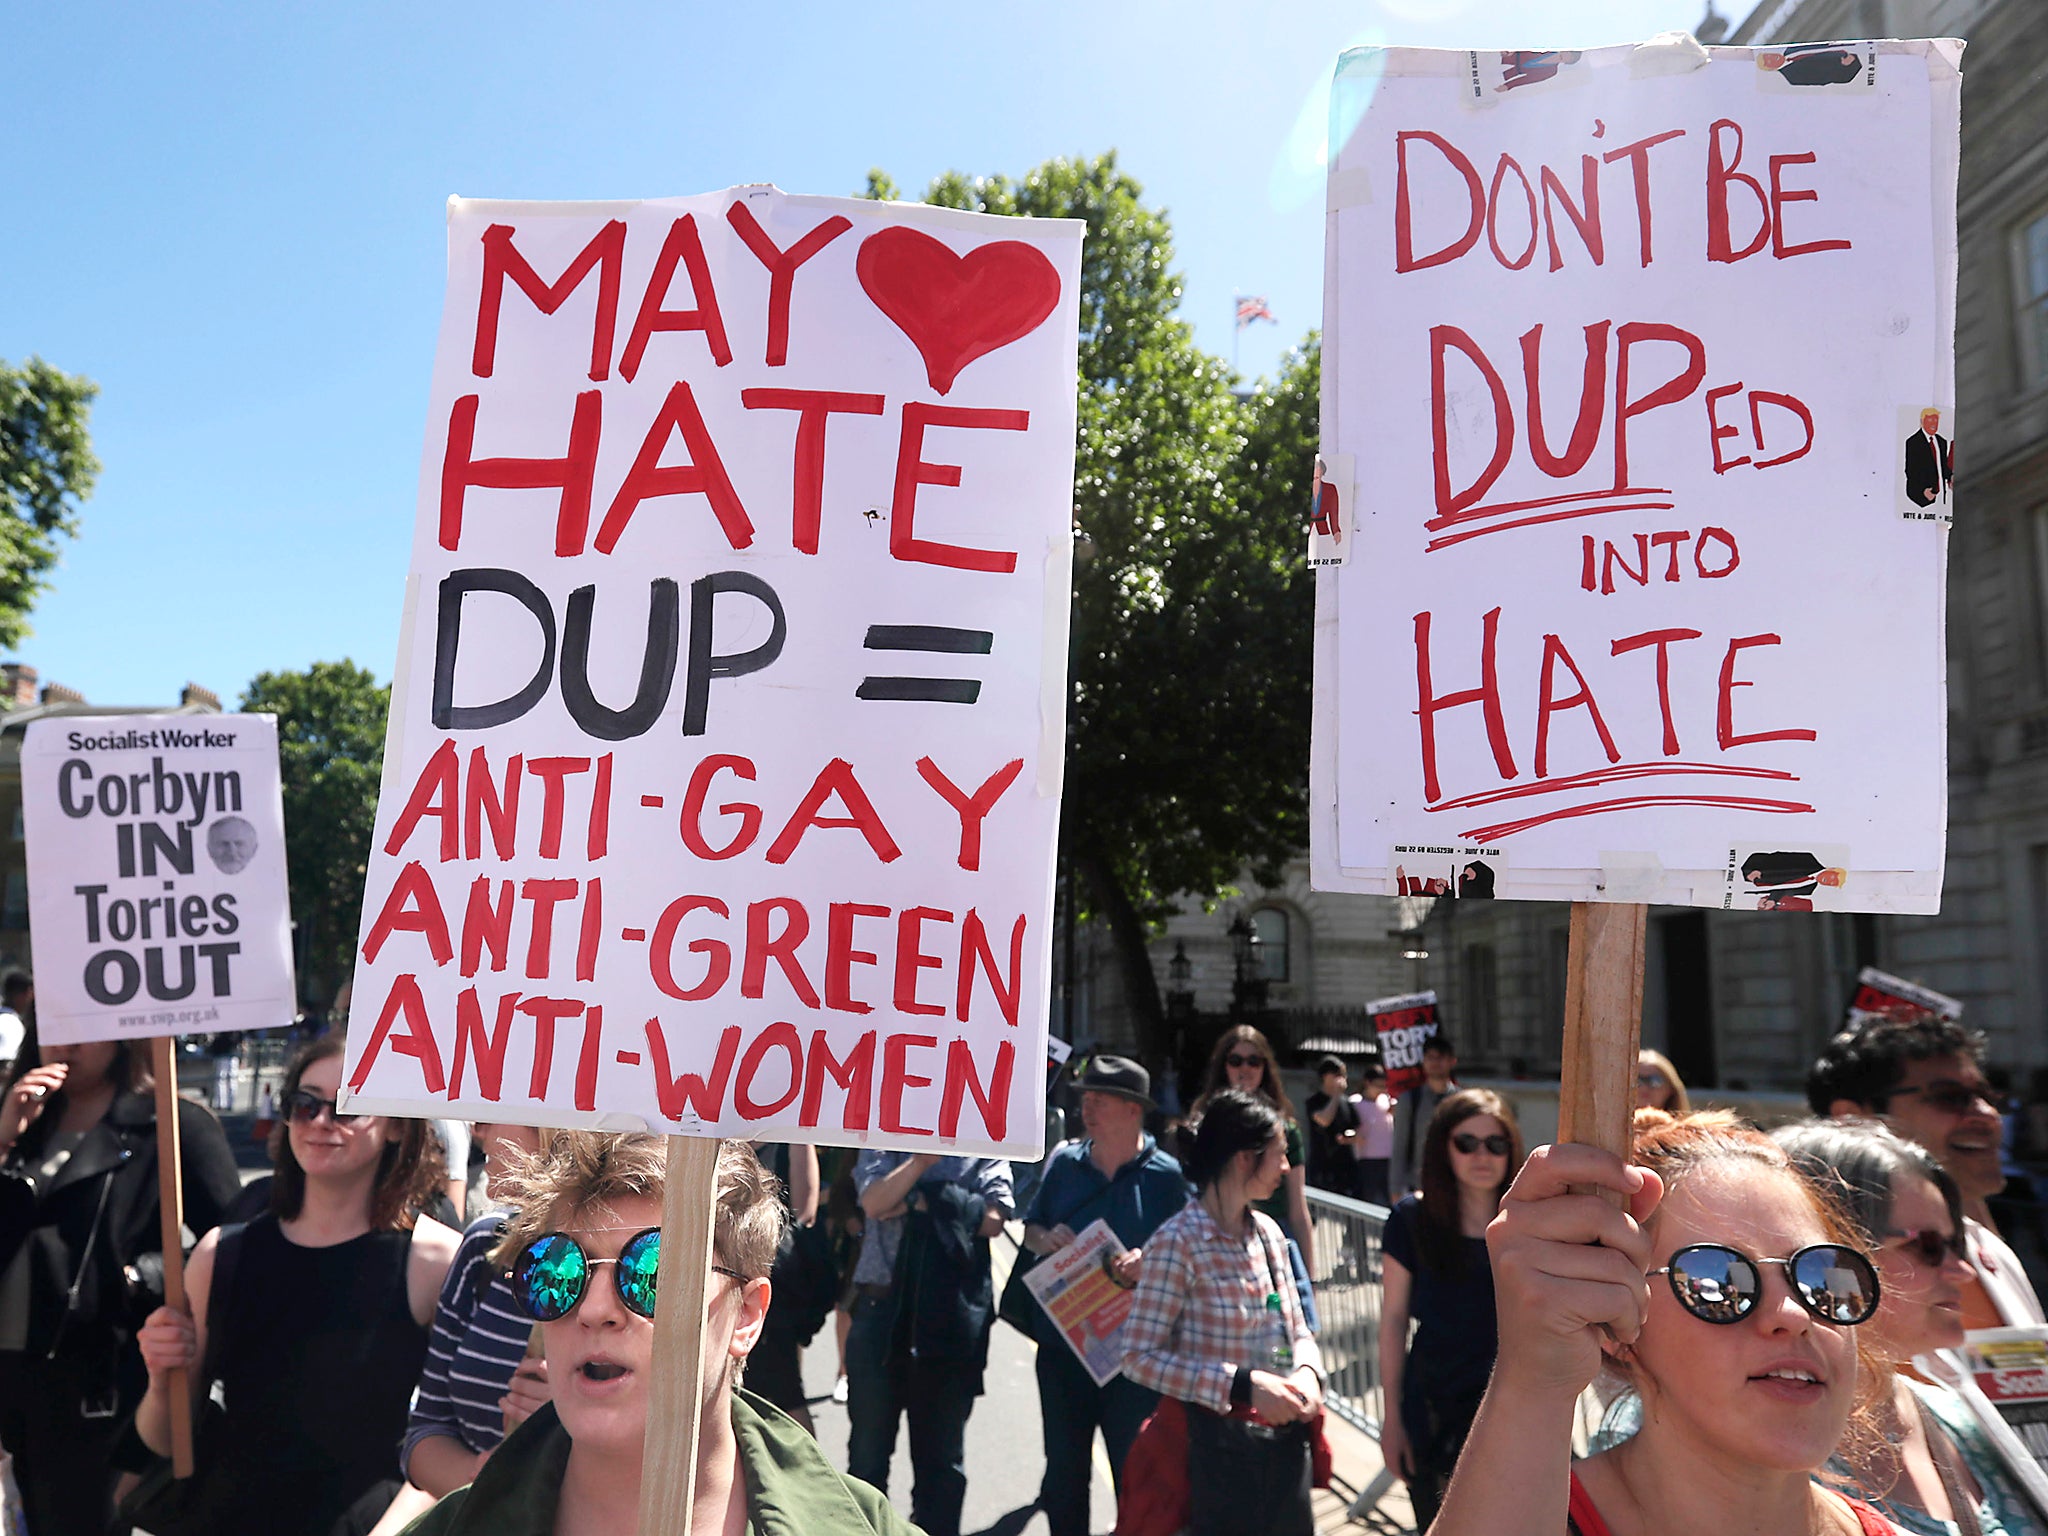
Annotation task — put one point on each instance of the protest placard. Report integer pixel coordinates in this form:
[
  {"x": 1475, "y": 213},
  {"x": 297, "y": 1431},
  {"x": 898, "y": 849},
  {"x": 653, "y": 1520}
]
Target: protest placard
[
  {"x": 1404, "y": 1026},
  {"x": 722, "y": 781},
  {"x": 156, "y": 876},
  {"x": 1087, "y": 1306},
  {"x": 1879, "y": 993},
  {"x": 1642, "y": 360}
]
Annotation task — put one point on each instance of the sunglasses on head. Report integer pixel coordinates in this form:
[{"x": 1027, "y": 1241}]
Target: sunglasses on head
[
  {"x": 1933, "y": 1248},
  {"x": 1719, "y": 1284},
  {"x": 304, "y": 1108},
  {"x": 1235, "y": 1060},
  {"x": 1954, "y": 1098}
]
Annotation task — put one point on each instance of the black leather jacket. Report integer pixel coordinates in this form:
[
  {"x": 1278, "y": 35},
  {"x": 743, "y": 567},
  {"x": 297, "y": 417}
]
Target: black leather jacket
[{"x": 68, "y": 1244}]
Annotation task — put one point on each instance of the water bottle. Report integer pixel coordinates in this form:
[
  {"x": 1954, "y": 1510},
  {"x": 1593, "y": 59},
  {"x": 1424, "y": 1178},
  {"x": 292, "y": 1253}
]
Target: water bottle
[{"x": 1283, "y": 1343}]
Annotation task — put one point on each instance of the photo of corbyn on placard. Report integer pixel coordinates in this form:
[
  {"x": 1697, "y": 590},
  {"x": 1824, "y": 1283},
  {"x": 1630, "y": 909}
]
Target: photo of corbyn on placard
[{"x": 231, "y": 844}]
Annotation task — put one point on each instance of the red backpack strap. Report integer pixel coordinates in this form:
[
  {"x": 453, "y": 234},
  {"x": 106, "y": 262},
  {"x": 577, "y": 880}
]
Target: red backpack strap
[{"x": 1581, "y": 1518}]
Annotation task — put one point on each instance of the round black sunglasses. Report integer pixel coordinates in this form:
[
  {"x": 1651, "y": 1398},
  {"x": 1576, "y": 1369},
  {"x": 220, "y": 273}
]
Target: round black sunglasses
[{"x": 1719, "y": 1284}]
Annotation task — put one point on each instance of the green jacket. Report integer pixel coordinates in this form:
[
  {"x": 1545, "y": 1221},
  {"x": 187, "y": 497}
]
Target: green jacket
[{"x": 792, "y": 1490}]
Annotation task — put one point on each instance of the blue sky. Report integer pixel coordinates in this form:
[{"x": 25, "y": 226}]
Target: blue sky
[{"x": 231, "y": 217}]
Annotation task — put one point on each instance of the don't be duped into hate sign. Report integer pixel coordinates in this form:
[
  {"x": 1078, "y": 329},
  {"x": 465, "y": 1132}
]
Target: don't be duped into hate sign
[
  {"x": 721, "y": 788},
  {"x": 1643, "y": 361},
  {"x": 156, "y": 870}
]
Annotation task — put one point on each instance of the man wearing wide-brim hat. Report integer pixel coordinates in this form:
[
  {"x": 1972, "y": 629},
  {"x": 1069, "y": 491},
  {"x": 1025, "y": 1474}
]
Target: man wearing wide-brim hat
[{"x": 1116, "y": 1174}]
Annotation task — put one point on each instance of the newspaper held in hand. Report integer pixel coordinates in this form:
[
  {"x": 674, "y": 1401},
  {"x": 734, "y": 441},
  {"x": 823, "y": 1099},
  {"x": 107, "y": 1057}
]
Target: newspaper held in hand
[
  {"x": 2002, "y": 1373},
  {"x": 1084, "y": 1302}
]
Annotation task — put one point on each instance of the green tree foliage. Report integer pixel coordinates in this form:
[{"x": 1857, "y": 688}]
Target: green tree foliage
[
  {"x": 1187, "y": 745},
  {"x": 330, "y": 729},
  {"x": 47, "y": 469}
]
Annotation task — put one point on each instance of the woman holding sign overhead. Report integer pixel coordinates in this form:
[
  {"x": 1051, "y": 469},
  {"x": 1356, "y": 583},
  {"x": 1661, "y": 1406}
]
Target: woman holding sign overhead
[
  {"x": 80, "y": 1261},
  {"x": 1726, "y": 1291},
  {"x": 312, "y": 1318}
]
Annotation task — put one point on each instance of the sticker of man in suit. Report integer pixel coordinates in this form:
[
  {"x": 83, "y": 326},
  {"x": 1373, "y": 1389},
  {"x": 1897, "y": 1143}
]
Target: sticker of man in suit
[
  {"x": 1930, "y": 464},
  {"x": 1811, "y": 64},
  {"x": 1784, "y": 880}
]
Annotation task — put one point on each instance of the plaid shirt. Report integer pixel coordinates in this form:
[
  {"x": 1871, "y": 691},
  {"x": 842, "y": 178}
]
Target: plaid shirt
[{"x": 1200, "y": 1311}]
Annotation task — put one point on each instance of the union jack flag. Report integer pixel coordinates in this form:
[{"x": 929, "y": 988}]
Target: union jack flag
[{"x": 1249, "y": 310}]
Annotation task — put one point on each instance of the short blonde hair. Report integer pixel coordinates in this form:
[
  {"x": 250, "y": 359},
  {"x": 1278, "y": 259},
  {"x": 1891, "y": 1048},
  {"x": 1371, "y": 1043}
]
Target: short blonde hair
[{"x": 576, "y": 1169}]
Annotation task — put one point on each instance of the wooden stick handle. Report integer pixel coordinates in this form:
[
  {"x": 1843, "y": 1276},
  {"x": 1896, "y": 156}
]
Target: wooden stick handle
[
  {"x": 1603, "y": 1022},
  {"x": 668, "y": 1476},
  {"x": 170, "y": 1192}
]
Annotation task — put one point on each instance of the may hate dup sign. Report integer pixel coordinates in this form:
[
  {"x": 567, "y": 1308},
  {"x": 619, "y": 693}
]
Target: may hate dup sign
[{"x": 721, "y": 789}]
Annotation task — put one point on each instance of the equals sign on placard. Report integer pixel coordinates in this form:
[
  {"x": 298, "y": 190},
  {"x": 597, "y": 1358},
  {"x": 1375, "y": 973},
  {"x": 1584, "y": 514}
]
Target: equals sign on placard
[{"x": 932, "y": 639}]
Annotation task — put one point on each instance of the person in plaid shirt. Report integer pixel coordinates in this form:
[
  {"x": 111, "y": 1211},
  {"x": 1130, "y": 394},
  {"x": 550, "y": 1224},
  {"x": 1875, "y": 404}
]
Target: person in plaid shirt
[{"x": 1216, "y": 1323}]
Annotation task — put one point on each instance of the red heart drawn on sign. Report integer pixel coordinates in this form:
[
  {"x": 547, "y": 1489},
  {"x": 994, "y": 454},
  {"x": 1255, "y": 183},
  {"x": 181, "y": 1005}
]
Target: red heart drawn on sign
[{"x": 956, "y": 308}]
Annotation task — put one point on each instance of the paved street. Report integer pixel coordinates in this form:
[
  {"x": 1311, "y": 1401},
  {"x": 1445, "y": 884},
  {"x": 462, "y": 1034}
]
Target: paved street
[{"x": 1004, "y": 1447}]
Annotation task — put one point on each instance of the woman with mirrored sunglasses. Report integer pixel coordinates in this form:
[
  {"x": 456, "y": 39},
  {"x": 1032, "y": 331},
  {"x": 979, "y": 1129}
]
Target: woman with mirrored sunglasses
[
  {"x": 1434, "y": 1273},
  {"x": 1723, "y": 1289},
  {"x": 1928, "y": 1467},
  {"x": 321, "y": 1320},
  {"x": 584, "y": 1258}
]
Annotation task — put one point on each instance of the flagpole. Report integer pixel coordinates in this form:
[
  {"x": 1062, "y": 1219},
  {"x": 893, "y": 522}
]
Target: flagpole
[{"x": 1235, "y": 328}]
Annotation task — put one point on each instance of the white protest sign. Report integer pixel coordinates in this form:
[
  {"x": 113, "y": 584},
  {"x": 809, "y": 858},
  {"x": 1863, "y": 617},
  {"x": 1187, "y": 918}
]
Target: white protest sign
[
  {"x": 722, "y": 784},
  {"x": 156, "y": 876},
  {"x": 1643, "y": 357}
]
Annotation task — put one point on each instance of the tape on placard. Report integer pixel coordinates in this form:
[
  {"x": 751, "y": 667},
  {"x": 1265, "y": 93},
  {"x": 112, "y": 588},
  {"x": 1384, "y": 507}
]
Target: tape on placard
[
  {"x": 1625, "y": 876},
  {"x": 1668, "y": 53},
  {"x": 1349, "y": 189}
]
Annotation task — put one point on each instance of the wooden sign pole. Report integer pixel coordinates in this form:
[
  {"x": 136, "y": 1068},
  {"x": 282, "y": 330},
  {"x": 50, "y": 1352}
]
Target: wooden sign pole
[
  {"x": 668, "y": 1471},
  {"x": 170, "y": 1193},
  {"x": 1603, "y": 1024}
]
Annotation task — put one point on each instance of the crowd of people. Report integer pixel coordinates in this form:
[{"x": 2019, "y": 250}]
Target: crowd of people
[{"x": 1744, "y": 1332}]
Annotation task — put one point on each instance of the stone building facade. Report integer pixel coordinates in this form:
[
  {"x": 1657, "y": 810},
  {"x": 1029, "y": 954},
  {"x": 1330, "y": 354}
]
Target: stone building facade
[{"x": 1744, "y": 1000}]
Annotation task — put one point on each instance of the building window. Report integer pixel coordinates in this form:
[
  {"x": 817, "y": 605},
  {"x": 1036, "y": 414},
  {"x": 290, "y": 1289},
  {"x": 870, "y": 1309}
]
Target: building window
[
  {"x": 1477, "y": 975},
  {"x": 2030, "y": 294},
  {"x": 14, "y": 905},
  {"x": 1271, "y": 925},
  {"x": 2037, "y": 561}
]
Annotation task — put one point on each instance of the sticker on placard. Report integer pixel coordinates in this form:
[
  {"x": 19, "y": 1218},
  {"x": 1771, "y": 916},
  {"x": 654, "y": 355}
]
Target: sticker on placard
[
  {"x": 1923, "y": 480},
  {"x": 1766, "y": 877},
  {"x": 1815, "y": 69},
  {"x": 1331, "y": 520},
  {"x": 1461, "y": 871},
  {"x": 1494, "y": 73}
]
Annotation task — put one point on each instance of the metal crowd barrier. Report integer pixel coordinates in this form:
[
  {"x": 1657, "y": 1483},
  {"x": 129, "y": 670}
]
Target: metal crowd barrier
[{"x": 1346, "y": 1271}]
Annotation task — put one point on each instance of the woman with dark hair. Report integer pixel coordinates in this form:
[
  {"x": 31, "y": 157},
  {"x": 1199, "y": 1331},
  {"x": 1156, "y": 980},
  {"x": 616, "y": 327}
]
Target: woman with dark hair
[
  {"x": 81, "y": 1261},
  {"x": 1930, "y": 1453},
  {"x": 1216, "y": 1326},
  {"x": 1243, "y": 1059},
  {"x": 1434, "y": 1271},
  {"x": 324, "y": 1310}
]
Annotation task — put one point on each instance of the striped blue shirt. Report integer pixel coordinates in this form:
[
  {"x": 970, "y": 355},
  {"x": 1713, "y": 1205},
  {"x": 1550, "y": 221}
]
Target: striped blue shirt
[{"x": 478, "y": 1339}]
